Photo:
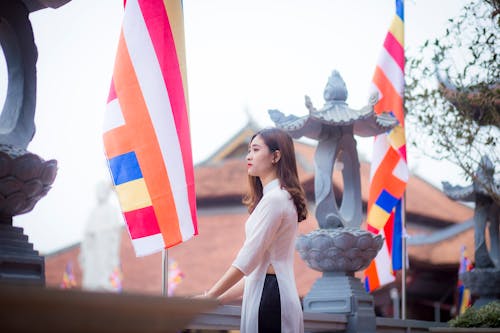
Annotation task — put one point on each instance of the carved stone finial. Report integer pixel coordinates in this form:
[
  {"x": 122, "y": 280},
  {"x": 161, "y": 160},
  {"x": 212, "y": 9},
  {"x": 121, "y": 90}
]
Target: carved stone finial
[{"x": 335, "y": 90}]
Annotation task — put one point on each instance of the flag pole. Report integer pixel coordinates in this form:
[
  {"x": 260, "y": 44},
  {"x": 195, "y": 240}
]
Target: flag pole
[
  {"x": 403, "y": 261},
  {"x": 403, "y": 234},
  {"x": 164, "y": 273}
]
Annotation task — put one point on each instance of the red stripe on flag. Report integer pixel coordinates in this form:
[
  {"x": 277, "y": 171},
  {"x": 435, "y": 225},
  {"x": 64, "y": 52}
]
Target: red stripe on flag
[
  {"x": 147, "y": 149},
  {"x": 389, "y": 232},
  {"x": 142, "y": 222},
  {"x": 163, "y": 42},
  {"x": 112, "y": 92},
  {"x": 391, "y": 44},
  {"x": 402, "y": 151}
]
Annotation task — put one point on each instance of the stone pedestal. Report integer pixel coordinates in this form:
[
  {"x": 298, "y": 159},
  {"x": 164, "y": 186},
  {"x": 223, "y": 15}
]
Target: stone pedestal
[
  {"x": 336, "y": 292},
  {"x": 24, "y": 179},
  {"x": 19, "y": 262},
  {"x": 483, "y": 282}
]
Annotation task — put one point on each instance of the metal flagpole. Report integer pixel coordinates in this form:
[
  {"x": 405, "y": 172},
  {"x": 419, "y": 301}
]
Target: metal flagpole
[
  {"x": 403, "y": 260},
  {"x": 164, "y": 273},
  {"x": 403, "y": 218}
]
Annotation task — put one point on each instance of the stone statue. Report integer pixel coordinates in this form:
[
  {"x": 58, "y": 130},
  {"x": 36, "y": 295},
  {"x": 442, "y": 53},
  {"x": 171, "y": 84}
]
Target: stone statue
[
  {"x": 484, "y": 280},
  {"x": 100, "y": 248},
  {"x": 339, "y": 248}
]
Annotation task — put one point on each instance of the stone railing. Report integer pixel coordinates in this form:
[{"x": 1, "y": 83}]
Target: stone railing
[
  {"x": 228, "y": 318},
  {"x": 35, "y": 309}
]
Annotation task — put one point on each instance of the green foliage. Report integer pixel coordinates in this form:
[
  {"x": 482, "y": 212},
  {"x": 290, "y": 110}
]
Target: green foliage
[
  {"x": 486, "y": 316},
  {"x": 453, "y": 90}
]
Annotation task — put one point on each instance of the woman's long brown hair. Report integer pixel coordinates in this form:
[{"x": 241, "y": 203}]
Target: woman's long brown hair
[{"x": 277, "y": 139}]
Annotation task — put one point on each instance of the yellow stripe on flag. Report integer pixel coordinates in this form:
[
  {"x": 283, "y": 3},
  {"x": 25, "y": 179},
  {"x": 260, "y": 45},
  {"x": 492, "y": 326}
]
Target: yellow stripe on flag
[
  {"x": 176, "y": 19},
  {"x": 133, "y": 195},
  {"x": 397, "y": 30},
  {"x": 397, "y": 137},
  {"x": 377, "y": 217}
]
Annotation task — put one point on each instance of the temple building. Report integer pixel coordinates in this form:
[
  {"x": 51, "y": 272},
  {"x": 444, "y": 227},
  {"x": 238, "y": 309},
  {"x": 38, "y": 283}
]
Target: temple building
[{"x": 433, "y": 220}]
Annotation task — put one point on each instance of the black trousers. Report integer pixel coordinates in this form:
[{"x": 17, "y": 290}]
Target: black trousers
[{"x": 270, "y": 306}]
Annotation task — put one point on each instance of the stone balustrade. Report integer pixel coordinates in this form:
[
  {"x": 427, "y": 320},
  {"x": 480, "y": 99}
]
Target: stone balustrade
[{"x": 36, "y": 309}]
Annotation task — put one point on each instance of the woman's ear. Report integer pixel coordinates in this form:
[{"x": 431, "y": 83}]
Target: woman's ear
[{"x": 277, "y": 156}]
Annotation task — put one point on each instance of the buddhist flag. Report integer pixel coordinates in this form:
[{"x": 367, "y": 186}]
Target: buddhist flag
[
  {"x": 146, "y": 128},
  {"x": 389, "y": 171},
  {"x": 464, "y": 300},
  {"x": 68, "y": 279}
]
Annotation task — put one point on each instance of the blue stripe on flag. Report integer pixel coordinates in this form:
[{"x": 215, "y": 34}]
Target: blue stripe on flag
[
  {"x": 386, "y": 201},
  {"x": 397, "y": 238},
  {"x": 125, "y": 168},
  {"x": 400, "y": 9}
]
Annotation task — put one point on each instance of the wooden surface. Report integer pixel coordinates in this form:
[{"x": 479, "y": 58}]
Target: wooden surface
[{"x": 32, "y": 309}]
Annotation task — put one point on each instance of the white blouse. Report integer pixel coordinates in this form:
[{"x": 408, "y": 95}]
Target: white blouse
[{"x": 270, "y": 234}]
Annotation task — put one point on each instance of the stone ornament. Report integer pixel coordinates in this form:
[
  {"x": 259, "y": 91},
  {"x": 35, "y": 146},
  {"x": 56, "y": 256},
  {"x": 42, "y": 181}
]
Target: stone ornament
[
  {"x": 339, "y": 250},
  {"x": 24, "y": 179},
  {"x": 484, "y": 279},
  {"x": 334, "y": 126}
]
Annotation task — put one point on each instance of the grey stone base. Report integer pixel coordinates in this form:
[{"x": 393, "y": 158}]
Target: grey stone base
[
  {"x": 338, "y": 293},
  {"x": 19, "y": 262},
  {"x": 483, "y": 282}
]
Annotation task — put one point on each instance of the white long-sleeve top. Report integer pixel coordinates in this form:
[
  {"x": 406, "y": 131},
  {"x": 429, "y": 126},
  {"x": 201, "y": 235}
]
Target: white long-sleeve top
[{"x": 270, "y": 233}]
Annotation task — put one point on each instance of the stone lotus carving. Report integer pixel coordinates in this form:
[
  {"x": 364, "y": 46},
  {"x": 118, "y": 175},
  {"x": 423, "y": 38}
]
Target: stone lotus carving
[
  {"x": 338, "y": 250},
  {"x": 24, "y": 179}
]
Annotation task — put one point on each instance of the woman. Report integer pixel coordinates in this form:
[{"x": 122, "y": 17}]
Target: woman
[{"x": 276, "y": 203}]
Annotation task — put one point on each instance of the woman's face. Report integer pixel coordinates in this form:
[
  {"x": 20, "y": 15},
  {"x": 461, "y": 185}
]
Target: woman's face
[{"x": 260, "y": 159}]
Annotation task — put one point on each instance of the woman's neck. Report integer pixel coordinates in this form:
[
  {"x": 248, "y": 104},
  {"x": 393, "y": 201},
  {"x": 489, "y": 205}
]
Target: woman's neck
[{"x": 267, "y": 179}]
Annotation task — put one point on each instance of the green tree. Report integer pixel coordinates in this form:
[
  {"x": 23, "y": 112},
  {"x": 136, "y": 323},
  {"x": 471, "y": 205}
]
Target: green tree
[{"x": 453, "y": 91}]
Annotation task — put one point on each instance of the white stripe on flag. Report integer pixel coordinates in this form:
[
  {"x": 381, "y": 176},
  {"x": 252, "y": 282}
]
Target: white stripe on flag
[
  {"x": 148, "y": 245},
  {"x": 380, "y": 148},
  {"x": 383, "y": 263},
  {"x": 392, "y": 71},
  {"x": 401, "y": 171},
  {"x": 155, "y": 94},
  {"x": 374, "y": 89},
  {"x": 113, "y": 116}
]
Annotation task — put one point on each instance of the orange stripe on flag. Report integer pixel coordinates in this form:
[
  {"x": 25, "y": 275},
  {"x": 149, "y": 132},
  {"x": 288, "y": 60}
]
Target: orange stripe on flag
[
  {"x": 381, "y": 175},
  {"x": 148, "y": 152},
  {"x": 118, "y": 141},
  {"x": 371, "y": 274},
  {"x": 391, "y": 101}
]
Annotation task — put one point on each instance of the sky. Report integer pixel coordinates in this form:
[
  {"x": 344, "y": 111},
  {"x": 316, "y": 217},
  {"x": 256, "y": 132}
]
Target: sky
[{"x": 243, "y": 57}]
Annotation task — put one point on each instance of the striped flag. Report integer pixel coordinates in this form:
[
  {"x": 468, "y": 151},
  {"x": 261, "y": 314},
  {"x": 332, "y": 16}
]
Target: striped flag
[
  {"x": 464, "y": 298},
  {"x": 68, "y": 279},
  {"x": 175, "y": 276},
  {"x": 389, "y": 171},
  {"x": 146, "y": 128}
]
